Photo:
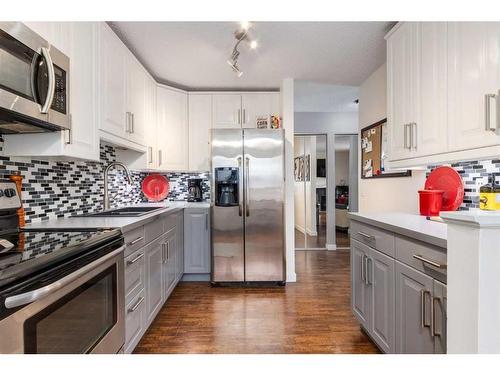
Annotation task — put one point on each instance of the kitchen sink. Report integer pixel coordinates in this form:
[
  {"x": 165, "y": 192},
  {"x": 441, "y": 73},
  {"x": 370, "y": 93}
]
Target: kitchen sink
[{"x": 123, "y": 212}]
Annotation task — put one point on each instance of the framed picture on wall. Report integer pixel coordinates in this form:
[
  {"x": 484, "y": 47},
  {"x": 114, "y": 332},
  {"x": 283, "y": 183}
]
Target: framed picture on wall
[{"x": 374, "y": 152}]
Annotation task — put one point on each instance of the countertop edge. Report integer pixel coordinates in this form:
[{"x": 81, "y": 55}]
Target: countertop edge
[{"x": 419, "y": 236}]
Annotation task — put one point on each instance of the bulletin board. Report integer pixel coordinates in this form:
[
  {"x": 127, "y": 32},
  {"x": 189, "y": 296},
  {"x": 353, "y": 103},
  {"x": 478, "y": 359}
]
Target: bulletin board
[{"x": 374, "y": 152}]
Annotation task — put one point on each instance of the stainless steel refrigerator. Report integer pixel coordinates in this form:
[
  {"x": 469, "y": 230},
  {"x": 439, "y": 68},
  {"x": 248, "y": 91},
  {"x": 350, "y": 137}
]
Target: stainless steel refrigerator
[{"x": 247, "y": 205}]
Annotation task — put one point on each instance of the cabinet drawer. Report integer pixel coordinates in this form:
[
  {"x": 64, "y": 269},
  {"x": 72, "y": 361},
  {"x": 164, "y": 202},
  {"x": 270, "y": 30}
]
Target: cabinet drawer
[
  {"x": 374, "y": 237},
  {"x": 153, "y": 229},
  {"x": 134, "y": 274},
  {"x": 134, "y": 321},
  {"x": 170, "y": 221},
  {"x": 134, "y": 240},
  {"x": 428, "y": 259}
]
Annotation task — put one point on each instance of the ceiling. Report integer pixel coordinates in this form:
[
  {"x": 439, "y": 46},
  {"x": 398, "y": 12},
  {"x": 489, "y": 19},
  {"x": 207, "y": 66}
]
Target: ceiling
[
  {"x": 318, "y": 97},
  {"x": 193, "y": 54}
]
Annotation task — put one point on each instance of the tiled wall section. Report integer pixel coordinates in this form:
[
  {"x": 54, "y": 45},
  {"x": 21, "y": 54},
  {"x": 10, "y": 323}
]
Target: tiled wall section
[
  {"x": 64, "y": 188},
  {"x": 474, "y": 174}
]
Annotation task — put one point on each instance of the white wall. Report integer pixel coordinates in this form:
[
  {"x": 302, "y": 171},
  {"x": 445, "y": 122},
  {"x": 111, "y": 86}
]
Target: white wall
[
  {"x": 305, "y": 191},
  {"x": 384, "y": 194},
  {"x": 341, "y": 167}
]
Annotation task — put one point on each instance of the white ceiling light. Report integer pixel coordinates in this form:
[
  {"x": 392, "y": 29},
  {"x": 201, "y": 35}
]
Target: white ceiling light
[{"x": 241, "y": 35}]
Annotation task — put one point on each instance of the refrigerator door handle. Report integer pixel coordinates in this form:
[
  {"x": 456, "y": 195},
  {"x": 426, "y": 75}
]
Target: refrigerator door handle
[
  {"x": 240, "y": 192},
  {"x": 247, "y": 182}
]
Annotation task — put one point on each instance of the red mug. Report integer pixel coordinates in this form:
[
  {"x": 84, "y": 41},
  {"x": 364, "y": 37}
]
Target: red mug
[{"x": 431, "y": 202}]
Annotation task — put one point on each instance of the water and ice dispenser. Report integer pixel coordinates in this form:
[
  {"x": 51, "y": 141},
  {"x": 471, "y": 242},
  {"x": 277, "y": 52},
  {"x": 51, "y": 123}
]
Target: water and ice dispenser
[{"x": 227, "y": 187}]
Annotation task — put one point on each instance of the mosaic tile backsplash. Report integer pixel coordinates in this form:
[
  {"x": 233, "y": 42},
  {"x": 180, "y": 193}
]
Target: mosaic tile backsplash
[
  {"x": 65, "y": 188},
  {"x": 474, "y": 174}
]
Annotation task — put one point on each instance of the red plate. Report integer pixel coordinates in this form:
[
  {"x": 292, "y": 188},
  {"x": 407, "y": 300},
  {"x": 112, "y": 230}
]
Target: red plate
[
  {"x": 155, "y": 187},
  {"x": 448, "y": 180}
]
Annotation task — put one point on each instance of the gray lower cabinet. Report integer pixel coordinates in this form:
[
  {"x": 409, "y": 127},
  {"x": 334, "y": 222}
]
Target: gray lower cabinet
[
  {"x": 169, "y": 269},
  {"x": 413, "y": 311},
  {"x": 380, "y": 273},
  {"x": 154, "y": 280},
  {"x": 372, "y": 276},
  {"x": 197, "y": 240}
]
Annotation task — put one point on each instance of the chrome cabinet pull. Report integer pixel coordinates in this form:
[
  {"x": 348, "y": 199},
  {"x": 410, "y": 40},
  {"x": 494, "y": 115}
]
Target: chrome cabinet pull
[
  {"x": 414, "y": 132},
  {"x": 37, "y": 294},
  {"x": 127, "y": 122},
  {"x": 132, "y": 123},
  {"x": 135, "y": 260},
  {"x": 244, "y": 116},
  {"x": 163, "y": 258},
  {"x": 131, "y": 243},
  {"x": 367, "y": 281},
  {"x": 160, "y": 162},
  {"x": 435, "y": 302},
  {"x": 487, "y": 114},
  {"x": 405, "y": 136},
  {"x": 423, "y": 315},
  {"x": 240, "y": 193},
  {"x": 239, "y": 116},
  {"x": 168, "y": 250},
  {"x": 150, "y": 150},
  {"x": 247, "y": 183},
  {"x": 70, "y": 136},
  {"x": 428, "y": 261},
  {"x": 363, "y": 269},
  {"x": 136, "y": 305},
  {"x": 367, "y": 236},
  {"x": 51, "y": 87},
  {"x": 369, "y": 270}
]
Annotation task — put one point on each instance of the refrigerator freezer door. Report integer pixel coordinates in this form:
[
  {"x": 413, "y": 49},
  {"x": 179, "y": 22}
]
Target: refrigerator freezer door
[
  {"x": 227, "y": 222},
  {"x": 264, "y": 185}
]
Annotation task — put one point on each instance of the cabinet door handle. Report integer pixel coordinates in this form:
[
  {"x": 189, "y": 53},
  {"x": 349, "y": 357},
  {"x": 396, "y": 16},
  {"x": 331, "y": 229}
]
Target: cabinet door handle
[
  {"x": 428, "y": 261},
  {"x": 487, "y": 114},
  {"x": 163, "y": 258},
  {"x": 367, "y": 280},
  {"x": 168, "y": 250},
  {"x": 244, "y": 116},
  {"x": 133, "y": 242},
  {"x": 132, "y": 127},
  {"x": 423, "y": 315},
  {"x": 369, "y": 270},
  {"x": 160, "y": 162},
  {"x": 239, "y": 116},
  {"x": 414, "y": 135},
  {"x": 135, "y": 260},
  {"x": 127, "y": 122},
  {"x": 406, "y": 136},
  {"x": 367, "y": 236},
  {"x": 136, "y": 305},
  {"x": 150, "y": 150},
  {"x": 435, "y": 301},
  {"x": 363, "y": 279}
]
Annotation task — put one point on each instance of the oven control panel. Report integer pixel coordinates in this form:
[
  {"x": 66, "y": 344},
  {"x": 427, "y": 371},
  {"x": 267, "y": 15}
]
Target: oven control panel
[{"x": 9, "y": 198}]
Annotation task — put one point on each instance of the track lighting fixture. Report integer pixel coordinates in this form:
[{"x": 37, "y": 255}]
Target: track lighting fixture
[{"x": 241, "y": 35}]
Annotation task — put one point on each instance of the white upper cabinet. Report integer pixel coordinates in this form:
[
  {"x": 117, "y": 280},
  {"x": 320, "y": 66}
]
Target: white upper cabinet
[
  {"x": 402, "y": 89},
  {"x": 474, "y": 72},
  {"x": 113, "y": 65},
  {"x": 226, "y": 111},
  {"x": 443, "y": 85},
  {"x": 258, "y": 105},
  {"x": 136, "y": 100},
  {"x": 172, "y": 125},
  {"x": 200, "y": 123},
  {"x": 78, "y": 40}
]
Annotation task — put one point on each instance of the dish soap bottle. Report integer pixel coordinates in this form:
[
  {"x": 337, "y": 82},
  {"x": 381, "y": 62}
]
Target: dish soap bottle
[{"x": 489, "y": 195}]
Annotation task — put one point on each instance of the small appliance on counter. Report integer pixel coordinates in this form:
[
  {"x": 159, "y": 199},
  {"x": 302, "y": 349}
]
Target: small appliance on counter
[
  {"x": 61, "y": 291},
  {"x": 443, "y": 191},
  {"x": 489, "y": 195},
  {"x": 195, "y": 191}
]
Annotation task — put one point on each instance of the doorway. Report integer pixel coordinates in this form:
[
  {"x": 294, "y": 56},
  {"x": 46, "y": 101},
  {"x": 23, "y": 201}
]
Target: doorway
[
  {"x": 310, "y": 169},
  {"x": 346, "y": 186}
]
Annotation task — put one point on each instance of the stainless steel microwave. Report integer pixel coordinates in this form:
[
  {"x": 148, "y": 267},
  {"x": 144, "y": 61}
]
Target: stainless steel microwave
[{"x": 34, "y": 82}]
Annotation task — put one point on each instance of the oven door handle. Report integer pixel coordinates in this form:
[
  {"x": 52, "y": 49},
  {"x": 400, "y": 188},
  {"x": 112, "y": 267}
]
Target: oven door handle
[{"x": 34, "y": 295}]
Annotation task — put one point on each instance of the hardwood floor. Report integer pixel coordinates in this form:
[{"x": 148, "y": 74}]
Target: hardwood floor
[
  {"x": 342, "y": 239},
  {"x": 313, "y": 242},
  {"x": 312, "y": 315}
]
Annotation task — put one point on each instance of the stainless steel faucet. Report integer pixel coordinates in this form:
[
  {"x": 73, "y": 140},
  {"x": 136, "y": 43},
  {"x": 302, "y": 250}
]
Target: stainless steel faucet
[{"x": 106, "y": 172}]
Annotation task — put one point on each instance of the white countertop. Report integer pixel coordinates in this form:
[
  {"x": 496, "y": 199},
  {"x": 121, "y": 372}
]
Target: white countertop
[
  {"x": 410, "y": 225},
  {"x": 124, "y": 223},
  {"x": 477, "y": 218}
]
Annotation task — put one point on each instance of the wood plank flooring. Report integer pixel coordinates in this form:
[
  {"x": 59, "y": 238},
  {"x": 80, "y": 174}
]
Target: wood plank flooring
[{"x": 310, "y": 316}]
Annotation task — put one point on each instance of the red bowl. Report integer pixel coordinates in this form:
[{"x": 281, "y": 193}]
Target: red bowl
[
  {"x": 431, "y": 202},
  {"x": 155, "y": 187}
]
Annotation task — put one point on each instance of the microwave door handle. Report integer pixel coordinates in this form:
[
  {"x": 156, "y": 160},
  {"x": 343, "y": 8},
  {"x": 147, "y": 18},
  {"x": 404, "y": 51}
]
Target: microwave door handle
[
  {"x": 52, "y": 81},
  {"x": 37, "y": 294}
]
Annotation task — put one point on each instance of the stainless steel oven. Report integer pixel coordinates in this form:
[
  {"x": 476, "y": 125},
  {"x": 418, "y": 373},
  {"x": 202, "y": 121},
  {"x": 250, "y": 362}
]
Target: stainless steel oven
[
  {"x": 77, "y": 307},
  {"x": 34, "y": 82}
]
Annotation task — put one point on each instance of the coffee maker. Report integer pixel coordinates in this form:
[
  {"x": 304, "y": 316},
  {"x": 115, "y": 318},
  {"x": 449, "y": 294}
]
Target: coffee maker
[{"x": 195, "y": 192}]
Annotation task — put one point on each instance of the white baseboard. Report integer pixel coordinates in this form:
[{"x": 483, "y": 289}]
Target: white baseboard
[
  {"x": 300, "y": 229},
  {"x": 312, "y": 233},
  {"x": 331, "y": 246}
]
